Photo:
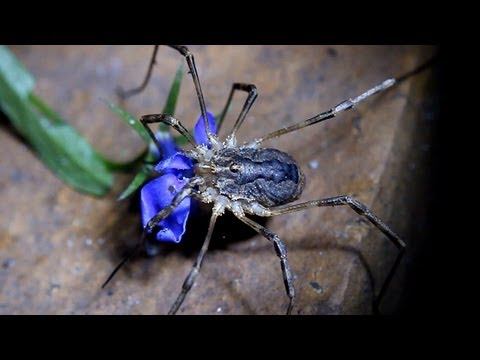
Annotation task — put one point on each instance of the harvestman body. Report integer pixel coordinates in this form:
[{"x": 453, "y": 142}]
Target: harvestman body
[{"x": 250, "y": 179}]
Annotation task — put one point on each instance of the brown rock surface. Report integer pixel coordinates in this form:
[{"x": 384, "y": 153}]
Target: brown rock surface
[{"x": 58, "y": 246}]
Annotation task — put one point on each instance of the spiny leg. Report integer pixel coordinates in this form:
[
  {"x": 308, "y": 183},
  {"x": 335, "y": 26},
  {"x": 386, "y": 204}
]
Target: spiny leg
[
  {"x": 165, "y": 212},
  {"x": 252, "y": 95},
  {"x": 344, "y": 105},
  {"x": 127, "y": 93},
  {"x": 193, "y": 70},
  {"x": 187, "y": 190},
  {"x": 190, "y": 279},
  {"x": 361, "y": 209},
  {"x": 347, "y": 104},
  {"x": 196, "y": 80},
  {"x": 166, "y": 119},
  {"x": 281, "y": 252}
]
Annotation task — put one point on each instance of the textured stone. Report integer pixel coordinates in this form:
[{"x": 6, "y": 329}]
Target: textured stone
[{"x": 58, "y": 246}]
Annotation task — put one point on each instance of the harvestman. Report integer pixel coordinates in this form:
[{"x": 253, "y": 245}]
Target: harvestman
[{"x": 251, "y": 179}]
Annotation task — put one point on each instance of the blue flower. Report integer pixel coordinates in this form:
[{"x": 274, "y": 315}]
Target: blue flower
[{"x": 176, "y": 170}]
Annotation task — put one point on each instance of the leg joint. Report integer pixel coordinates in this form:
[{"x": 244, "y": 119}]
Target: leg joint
[
  {"x": 357, "y": 206},
  {"x": 280, "y": 249},
  {"x": 187, "y": 284}
]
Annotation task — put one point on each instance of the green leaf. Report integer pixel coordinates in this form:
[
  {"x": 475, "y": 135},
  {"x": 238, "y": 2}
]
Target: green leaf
[
  {"x": 14, "y": 73},
  {"x": 141, "y": 177},
  {"x": 54, "y": 117},
  {"x": 137, "y": 181},
  {"x": 169, "y": 108},
  {"x": 59, "y": 145},
  {"x": 172, "y": 98},
  {"x": 131, "y": 121},
  {"x": 171, "y": 104},
  {"x": 124, "y": 167}
]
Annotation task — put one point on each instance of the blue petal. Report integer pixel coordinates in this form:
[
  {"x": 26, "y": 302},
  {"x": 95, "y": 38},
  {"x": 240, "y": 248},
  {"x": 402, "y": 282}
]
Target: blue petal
[
  {"x": 200, "y": 133},
  {"x": 167, "y": 143},
  {"x": 158, "y": 194},
  {"x": 175, "y": 163}
]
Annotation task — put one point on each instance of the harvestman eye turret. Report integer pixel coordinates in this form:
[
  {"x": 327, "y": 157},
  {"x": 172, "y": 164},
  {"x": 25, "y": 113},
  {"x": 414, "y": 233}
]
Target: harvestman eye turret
[{"x": 249, "y": 179}]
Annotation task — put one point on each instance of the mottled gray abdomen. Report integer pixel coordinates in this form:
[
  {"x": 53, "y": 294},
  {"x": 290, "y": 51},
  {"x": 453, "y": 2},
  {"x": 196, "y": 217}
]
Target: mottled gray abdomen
[{"x": 268, "y": 176}]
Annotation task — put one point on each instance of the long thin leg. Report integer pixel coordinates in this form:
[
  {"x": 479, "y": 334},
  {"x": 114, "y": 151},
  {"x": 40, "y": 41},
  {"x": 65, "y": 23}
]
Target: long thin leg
[
  {"x": 344, "y": 105},
  {"x": 128, "y": 257},
  {"x": 166, "y": 211},
  {"x": 281, "y": 252},
  {"x": 190, "y": 279},
  {"x": 347, "y": 104},
  {"x": 166, "y": 119},
  {"x": 252, "y": 95},
  {"x": 193, "y": 70},
  {"x": 362, "y": 210},
  {"x": 127, "y": 93}
]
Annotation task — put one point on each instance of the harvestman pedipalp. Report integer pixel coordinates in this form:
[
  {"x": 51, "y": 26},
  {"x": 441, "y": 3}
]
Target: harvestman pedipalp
[{"x": 252, "y": 179}]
